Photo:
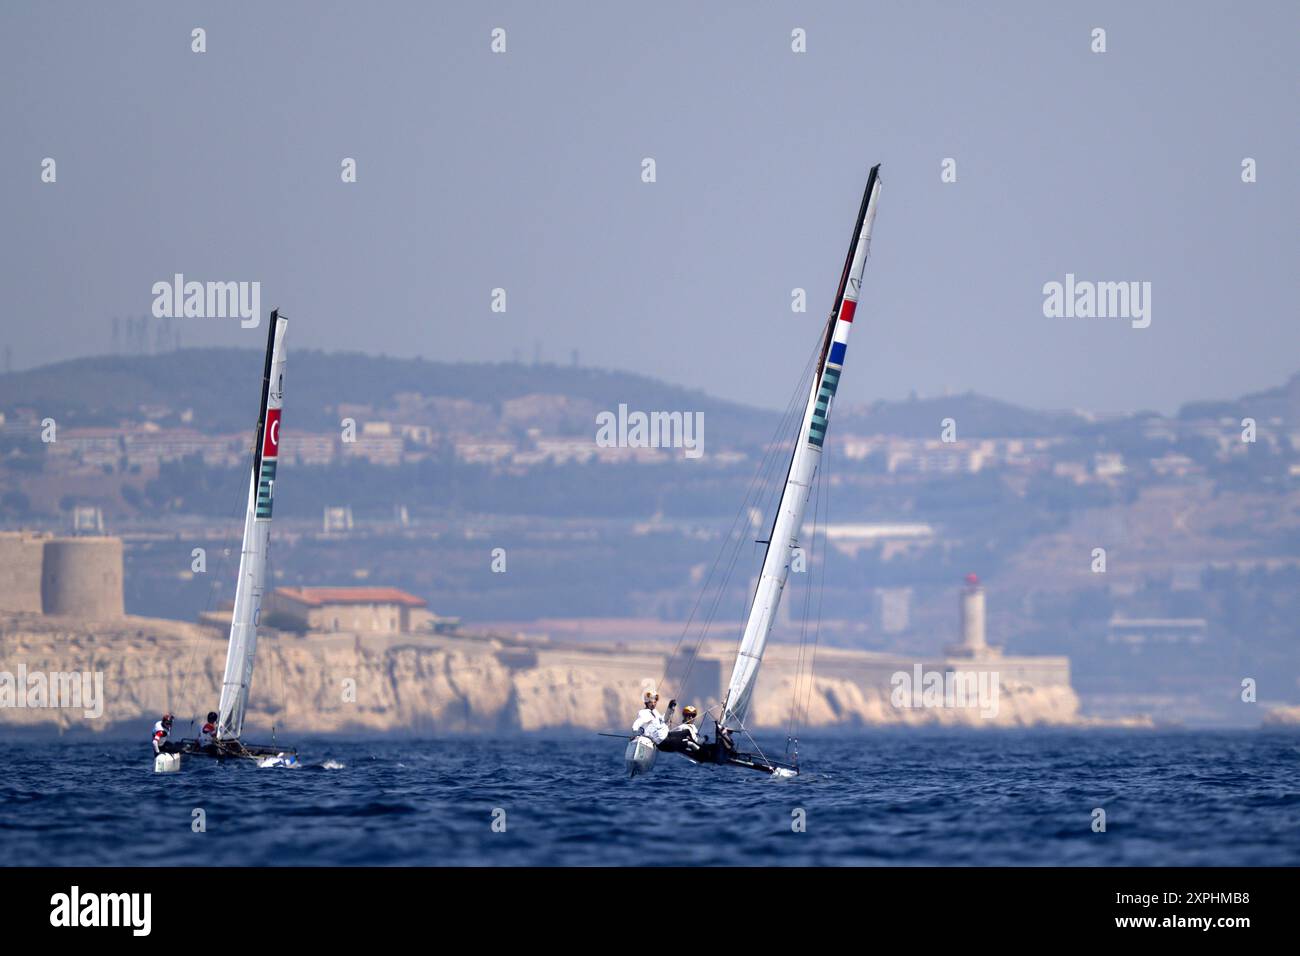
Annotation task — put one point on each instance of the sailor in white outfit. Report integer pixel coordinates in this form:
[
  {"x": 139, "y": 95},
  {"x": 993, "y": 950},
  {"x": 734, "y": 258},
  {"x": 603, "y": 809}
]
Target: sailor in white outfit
[
  {"x": 649, "y": 722},
  {"x": 161, "y": 731}
]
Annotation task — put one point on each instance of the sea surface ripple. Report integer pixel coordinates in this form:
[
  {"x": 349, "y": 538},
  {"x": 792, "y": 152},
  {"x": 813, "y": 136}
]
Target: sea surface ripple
[{"x": 884, "y": 798}]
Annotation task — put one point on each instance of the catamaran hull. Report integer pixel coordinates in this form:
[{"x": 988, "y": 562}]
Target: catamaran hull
[
  {"x": 261, "y": 754},
  {"x": 167, "y": 763},
  {"x": 171, "y": 763},
  {"x": 642, "y": 752},
  {"x": 640, "y": 755},
  {"x": 746, "y": 761}
]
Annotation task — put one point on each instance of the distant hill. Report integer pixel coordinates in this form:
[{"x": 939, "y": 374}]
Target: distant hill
[
  {"x": 1282, "y": 402},
  {"x": 975, "y": 415},
  {"x": 219, "y": 387}
]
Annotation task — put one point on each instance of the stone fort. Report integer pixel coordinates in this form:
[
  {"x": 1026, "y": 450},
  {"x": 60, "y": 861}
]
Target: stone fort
[{"x": 75, "y": 576}]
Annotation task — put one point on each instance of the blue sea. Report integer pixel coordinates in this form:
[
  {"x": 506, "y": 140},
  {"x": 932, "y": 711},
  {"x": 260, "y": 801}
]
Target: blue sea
[{"x": 886, "y": 798}]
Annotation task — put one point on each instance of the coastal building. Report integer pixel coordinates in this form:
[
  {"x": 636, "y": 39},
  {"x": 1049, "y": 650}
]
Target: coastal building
[
  {"x": 891, "y": 538},
  {"x": 1157, "y": 630},
  {"x": 337, "y": 518},
  {"x": 376, "y": 447},
  {"x": 73, "y": 576},
  {"x": 891, "y": 609},
  {"x": 308, "y": 448},
  {"x": 969, "y": 684},
  {"x": 484, "y": 452},
  {"x": 21, "y": 555},
  {"x": 351, "y": 609},
  {"x": 972, "y": 619}
]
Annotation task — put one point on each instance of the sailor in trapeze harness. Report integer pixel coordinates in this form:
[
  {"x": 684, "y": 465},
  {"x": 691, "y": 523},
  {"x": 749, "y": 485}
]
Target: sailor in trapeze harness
[
  {"x": 161, "y": 731},
  {"x": 207, "y": 741},
  {"x": 685, "y": 737},
  {"x": 649, "y": 722}
]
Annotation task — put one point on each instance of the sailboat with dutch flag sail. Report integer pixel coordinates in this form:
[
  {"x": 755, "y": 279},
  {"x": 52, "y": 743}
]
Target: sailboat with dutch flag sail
[{"x": 787, "y": 526}]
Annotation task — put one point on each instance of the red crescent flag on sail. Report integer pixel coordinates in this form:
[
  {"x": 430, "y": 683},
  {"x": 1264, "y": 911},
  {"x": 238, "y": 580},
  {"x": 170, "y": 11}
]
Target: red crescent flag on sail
[{"x": 271, "y": 436}]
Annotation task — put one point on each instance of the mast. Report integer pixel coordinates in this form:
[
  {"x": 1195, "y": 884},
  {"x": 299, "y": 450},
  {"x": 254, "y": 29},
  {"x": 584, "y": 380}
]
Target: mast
[
  {"x": 804, "y": 462},
  {"x": 257, "y": 532}
]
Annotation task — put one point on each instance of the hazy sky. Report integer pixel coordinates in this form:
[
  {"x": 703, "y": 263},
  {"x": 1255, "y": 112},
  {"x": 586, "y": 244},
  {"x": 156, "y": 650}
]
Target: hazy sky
[{"x": 523, "y": 170}]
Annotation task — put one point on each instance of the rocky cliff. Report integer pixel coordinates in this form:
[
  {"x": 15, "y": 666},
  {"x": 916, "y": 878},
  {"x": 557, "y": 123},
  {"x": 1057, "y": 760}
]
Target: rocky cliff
[{"x": 426, "y": 684}]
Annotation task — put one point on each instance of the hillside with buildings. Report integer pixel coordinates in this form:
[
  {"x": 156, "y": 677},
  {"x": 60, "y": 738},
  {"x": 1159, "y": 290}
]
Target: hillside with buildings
[{"x": 1160, "y": 554}]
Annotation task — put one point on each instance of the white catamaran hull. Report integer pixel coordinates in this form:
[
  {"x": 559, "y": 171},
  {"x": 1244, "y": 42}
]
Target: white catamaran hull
[
  {"x": 640, "y": 755},
  {"x": 170, "y": 762},
  {"x": 167, "y": 763}
]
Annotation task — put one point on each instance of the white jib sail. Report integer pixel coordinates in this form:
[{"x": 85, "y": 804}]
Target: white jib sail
[
  {"x": 257, "y": 531},
  {"x": 803, "y": 467}
]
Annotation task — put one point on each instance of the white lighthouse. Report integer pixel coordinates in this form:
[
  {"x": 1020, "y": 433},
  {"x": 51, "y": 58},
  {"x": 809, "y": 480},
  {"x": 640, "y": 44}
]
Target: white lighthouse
[{"x": 971, "y": 607}]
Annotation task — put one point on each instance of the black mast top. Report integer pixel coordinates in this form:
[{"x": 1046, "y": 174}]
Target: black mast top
[
  {"x": 872, "y": 176},
  {"x": 266, "y": 392},
  {"x": 826, "y": 343}
]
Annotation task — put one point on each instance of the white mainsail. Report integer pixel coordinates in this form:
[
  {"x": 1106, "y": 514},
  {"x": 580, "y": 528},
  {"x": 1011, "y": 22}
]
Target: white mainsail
[
  {"x": 803, "y": 467},
  {"x": 257, "y": 531}
]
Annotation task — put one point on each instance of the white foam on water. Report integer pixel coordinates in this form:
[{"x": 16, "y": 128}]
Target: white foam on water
[{"x": 289, "y": 762}]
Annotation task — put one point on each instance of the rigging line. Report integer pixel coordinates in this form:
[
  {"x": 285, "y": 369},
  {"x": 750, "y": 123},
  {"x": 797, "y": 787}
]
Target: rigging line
[
  {"x": 763, "y": 466},
  {"x": 224, "y": 557},
  {"x": 819, "y": 525},
  {"x": 270, "y": 574},
  {"x": 821, "y": 588},
  {"x": 221, "y": 572},
  {"x": 772, "y": 460},
  {"x": 755, "y": 491},
  {"x": 817, "y": 372},
  {"x": 750, "y": 737},
  {"x": 798, "y": 671},
  {"x": 791, "y": 434},
  {"x": 805, "y": 677},
  {"x": 821, "y": 519},
  {"x": 722, "y": 550},
  {"x": 807, "y": 608},
  {"x": 801, "y": 659},
  {"x": 222, "y": 567},
  {"x": 711, "y": 614}
]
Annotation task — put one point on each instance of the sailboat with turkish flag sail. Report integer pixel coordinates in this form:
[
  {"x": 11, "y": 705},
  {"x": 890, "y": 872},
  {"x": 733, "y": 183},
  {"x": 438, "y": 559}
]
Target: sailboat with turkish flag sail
[{"x": 226, "y": 739}]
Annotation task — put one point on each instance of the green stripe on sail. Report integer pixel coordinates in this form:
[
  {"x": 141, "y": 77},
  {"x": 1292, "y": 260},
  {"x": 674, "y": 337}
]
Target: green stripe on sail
[
  {"x": 817, "y": 430},
  {"x": 264, "y": 483}
]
